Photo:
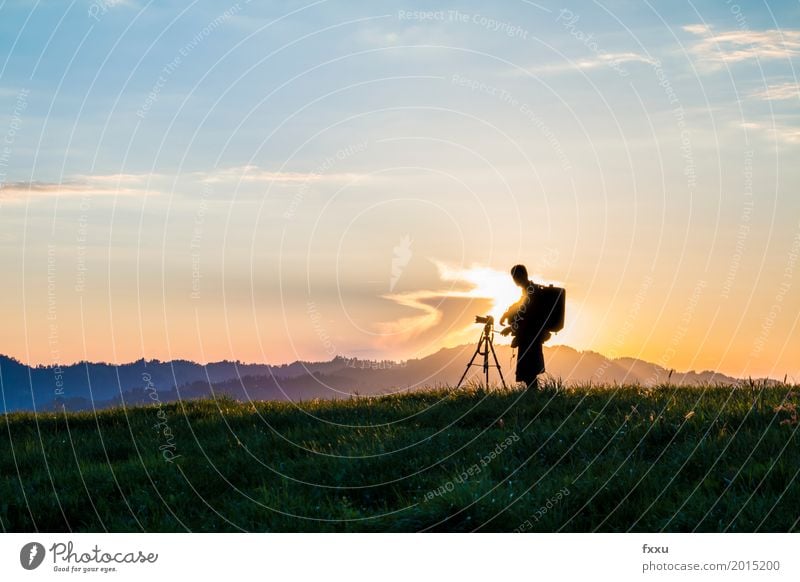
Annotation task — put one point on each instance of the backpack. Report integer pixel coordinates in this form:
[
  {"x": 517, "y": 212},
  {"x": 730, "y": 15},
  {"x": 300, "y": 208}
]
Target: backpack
[{"x": 550, "y": 305}]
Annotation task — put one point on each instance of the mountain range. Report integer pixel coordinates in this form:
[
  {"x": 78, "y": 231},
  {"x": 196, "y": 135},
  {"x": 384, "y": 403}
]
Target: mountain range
[{"x": 86, "y": 385}]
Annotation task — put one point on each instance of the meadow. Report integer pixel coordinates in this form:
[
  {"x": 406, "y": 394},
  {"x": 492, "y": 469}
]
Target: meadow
[{"x": 716, "y": 458}]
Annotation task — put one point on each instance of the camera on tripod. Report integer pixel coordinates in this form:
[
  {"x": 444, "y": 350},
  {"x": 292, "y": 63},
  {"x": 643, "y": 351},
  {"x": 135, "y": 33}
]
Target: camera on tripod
[{"x": 485, "y": 348}]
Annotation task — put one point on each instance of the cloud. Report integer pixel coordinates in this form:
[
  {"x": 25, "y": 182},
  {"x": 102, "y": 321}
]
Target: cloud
[
  {"x": 780, "y": 132},
  {"x": 388, "y": 33},
  {"x": 79, "y": 185},
  {"x": 697, "y": 28},
  {"x": 149, "y": 184},
  {"x": 9, "y": 92},
  {"x": 779, "y": 92},
  {"x": 444, "y": 316},
  {"x": 492, "y": 289},
  {"x": 405, "y": 328},
  {"x": 254, "y": 174},
  {"x": 610, "y": 60},
  {"x": 736, "y": 46}
]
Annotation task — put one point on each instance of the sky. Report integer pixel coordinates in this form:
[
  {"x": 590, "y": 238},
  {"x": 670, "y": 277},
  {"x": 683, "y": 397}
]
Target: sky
[{"x": 272, "y": 181}]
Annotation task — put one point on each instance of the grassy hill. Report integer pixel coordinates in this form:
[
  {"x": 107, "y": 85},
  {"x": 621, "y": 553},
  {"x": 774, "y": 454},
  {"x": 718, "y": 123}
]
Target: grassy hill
[{"x": 715, "y": 458}]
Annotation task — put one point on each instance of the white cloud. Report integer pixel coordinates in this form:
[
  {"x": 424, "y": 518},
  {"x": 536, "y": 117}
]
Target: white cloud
[
  {"x": 697, "y": 28},
  {"x": 254, "y": 174},
  {"x": 149, "y": 184},
  {"x": 780, "y": 132},
  {"x": 610, "y": 60},
  {"x": 392, "y": 34},
  {"x": 779, "y": 92},
  {"x": 79, "y": 185},
  {"x": 735, "y": 46}
]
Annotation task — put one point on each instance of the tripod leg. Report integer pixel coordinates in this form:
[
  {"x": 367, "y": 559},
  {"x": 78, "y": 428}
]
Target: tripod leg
[
  {"x": 487, "y": 343},
  {"x": 499, "y": 370},
  {"x": 472, "y": 359}
]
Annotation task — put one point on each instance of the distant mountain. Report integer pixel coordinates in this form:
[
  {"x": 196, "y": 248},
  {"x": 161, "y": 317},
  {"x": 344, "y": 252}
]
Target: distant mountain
[
  {"x": 27, "y": 388},
  {"x": 85, "y": 385}
]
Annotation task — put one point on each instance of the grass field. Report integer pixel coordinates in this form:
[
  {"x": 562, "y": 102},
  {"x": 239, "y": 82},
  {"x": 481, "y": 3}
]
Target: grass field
[{"x": 719, "y": 458}]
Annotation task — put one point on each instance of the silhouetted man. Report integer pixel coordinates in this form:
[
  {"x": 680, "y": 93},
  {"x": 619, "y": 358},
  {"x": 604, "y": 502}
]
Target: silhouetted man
[{"x": 526, "y": 324}]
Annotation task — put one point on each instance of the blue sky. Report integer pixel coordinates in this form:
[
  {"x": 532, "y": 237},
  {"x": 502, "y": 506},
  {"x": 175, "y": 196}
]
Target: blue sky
[{"x": 300, "y": 144}]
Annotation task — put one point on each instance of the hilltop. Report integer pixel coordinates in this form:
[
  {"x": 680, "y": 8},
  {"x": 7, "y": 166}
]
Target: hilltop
[{"x": 600, "y": 458}]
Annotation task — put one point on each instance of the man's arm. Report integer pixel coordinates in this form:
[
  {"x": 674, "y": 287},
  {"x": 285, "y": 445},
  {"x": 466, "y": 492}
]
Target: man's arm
[{"x": 513, "y": 310}]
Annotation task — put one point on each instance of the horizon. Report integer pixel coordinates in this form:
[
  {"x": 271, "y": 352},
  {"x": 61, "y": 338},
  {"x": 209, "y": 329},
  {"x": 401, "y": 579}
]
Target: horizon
[
  {"x": 358, "y": 359},
  {"x": 284, "y": 183}
]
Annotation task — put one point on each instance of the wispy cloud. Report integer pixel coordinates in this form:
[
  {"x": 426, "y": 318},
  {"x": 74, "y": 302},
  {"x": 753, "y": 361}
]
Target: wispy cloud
[
  {"x": 427, "y": 317},
  {"x": 255, "y": 174},
  {"x": 780, "y": 132},
  {"x": 610, "y": 60},
  {"x": 380, "y": 35},
  {"x": 9, "y": 92},
  {"x": 491, "y": 287},
  {"x": 79, "y": 185},
  {"x": 149, "y": 184},
  {"x": 779, "y": 92},
  {"x": 735, "y": 46},
  {"x": 697, "y": 28}
]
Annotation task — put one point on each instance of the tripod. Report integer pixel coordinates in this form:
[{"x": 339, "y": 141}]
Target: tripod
[{"x": 485, "y": 346}]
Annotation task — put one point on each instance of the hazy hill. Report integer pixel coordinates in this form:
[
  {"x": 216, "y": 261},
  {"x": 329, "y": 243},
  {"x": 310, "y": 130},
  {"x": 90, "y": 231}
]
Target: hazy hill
[{"x": 85, "y": 385}]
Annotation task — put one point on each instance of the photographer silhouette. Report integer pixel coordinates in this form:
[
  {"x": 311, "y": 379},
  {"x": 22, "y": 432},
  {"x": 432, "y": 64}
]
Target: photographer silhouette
[{"x": 529, "y": 320}]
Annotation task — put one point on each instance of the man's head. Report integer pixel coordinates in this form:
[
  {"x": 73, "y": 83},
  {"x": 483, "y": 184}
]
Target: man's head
[{"x": 520, "y": 275}]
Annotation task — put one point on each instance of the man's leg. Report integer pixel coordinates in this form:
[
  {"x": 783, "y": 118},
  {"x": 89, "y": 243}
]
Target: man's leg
[
  {"x": 530, "y": 363},
  {"x": 525, "y": 372}
]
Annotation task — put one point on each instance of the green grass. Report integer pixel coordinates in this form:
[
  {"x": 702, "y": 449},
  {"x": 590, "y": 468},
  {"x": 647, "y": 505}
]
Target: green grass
[{"x": 611, "y": 458}]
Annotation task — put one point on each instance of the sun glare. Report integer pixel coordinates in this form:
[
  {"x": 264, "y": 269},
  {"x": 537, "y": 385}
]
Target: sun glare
[
  {"x": 475, "y": 282},
  {"x": 487, "y": 283}
]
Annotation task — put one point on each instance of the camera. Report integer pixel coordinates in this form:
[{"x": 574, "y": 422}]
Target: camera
[{"x": 485, "y": 348}]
